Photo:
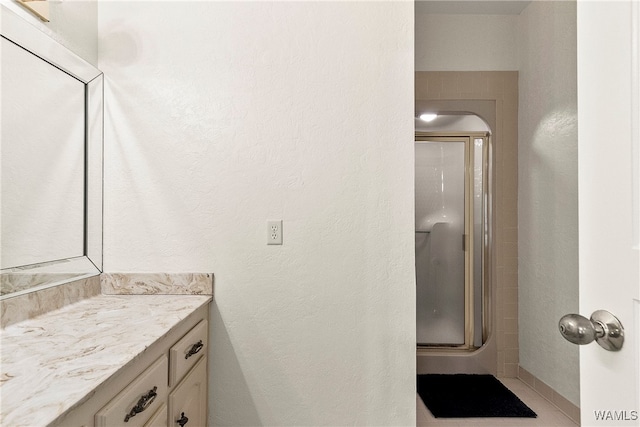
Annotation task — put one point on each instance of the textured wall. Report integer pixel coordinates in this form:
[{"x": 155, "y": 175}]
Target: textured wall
[
  {"x": 223, "y": 115},
  {"x": 466, "y": 42},
  {"x": 73, "y": 24},
  {"x": 548, "y": 193}
]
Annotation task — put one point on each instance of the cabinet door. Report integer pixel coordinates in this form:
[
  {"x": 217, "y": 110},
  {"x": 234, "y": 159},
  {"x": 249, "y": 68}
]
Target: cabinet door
[
  {"x": 188, "y": 401},
  {"x": 159, "y": 419}
]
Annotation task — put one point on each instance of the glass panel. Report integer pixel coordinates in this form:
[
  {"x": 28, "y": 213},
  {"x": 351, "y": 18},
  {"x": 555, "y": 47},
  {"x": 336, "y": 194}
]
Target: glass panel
[
  {"x": 478, "y": 227},
  {"x": 439, "y": 225},
  {"x": 43, "y": 145}
]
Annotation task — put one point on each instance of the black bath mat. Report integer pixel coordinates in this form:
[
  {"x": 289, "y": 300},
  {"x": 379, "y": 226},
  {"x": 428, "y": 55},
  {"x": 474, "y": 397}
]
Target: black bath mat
[{"x": 469, "y": 396}]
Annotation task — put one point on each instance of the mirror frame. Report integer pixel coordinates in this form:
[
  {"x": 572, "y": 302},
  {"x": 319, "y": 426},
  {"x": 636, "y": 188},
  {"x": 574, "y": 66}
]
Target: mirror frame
[{"x": 18, "y": 31}]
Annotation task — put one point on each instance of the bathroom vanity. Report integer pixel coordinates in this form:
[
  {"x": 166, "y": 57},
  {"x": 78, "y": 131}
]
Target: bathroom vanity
[
  {"x": 166, "y": 384},
  {"x": 109, "y": 360}
]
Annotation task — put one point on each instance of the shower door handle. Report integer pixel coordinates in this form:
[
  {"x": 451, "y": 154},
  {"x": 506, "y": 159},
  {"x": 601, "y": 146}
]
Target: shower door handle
[{"x": 603, "y": 328}]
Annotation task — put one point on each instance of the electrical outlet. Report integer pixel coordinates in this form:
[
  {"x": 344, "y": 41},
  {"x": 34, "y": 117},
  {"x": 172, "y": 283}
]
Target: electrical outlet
[{"x": 274, "y": 232}]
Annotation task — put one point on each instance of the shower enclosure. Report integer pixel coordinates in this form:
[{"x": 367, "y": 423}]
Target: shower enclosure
[{"x": 451, "y": 240}]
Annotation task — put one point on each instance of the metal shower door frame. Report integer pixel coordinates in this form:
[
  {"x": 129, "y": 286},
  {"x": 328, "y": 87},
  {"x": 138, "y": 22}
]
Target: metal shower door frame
[{"x": 468, "y": 239}]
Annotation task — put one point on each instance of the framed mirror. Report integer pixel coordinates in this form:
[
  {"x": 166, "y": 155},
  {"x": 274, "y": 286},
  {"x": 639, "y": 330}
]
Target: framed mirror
[{"x": 51, "y": 138}]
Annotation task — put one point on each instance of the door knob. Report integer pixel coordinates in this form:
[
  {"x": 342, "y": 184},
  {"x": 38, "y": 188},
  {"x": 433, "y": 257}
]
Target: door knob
[{"x": 603, "y": 328}]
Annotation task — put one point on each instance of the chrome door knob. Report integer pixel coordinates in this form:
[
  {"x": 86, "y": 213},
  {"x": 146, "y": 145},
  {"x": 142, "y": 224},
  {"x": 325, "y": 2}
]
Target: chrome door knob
[
  {"x": 577, "y": 329},
  {"x": 603, "y": 327}
]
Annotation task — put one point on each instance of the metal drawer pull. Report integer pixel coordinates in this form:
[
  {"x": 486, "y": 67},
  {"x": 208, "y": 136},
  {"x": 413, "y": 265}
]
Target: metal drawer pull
[
  {"x": 183, "y": 420},
  {"x": 144, "y": 402},
  {"x": 196, "y": 348}
]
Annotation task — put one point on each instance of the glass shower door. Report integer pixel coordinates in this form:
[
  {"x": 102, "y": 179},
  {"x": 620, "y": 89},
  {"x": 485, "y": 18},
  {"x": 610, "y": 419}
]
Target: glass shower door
[{"x": 440, "y": 230}]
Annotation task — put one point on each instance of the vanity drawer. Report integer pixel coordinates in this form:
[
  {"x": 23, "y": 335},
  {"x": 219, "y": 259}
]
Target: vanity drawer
[
  {"x": 153, "y": 381},
  {"x": 186, "y": 352}
]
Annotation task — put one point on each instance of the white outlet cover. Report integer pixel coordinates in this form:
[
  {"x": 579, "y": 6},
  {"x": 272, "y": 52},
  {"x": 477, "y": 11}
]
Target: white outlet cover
[{"x": 274, "y": 232}]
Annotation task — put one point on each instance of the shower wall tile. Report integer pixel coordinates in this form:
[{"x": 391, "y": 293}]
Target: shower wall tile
[
  {"x": 511, "y": 132},
  {"x": 510, "y": 370},
  {"x": 500, "y": 340},
  {"x": 157, "y": 283},
  {"x": 421, "y": 82},
  {"x": 495, "y": 84},
  {"x": 510, "y": 264},
  {"x": 450, "y": 84},
  {"x": 435, "y": 84},
  {"x": 500, "y": 329},
  {"x": 511, "y": 283},
  {"x": 511, "y": 292},
  {"x": 427, "y": 84},
  {"x": 511, "y": 326},
  {"x": 510, "y": 234},
  {"x": 500, "y": 295},
  {"x": 465, "y": 83},
  {"x": 470, "y": 83},
  {"x": 510, "y": 84},
  {"x": 510, "y": 166},
  {"x": 510, "y": 247},
  {"x": 510, "y": 310},
  {"x": 510, "y": 212},
  {"x": 511, "y": 267},
  {"x": 511, "y": 187},
  {"x": 511, "y": 355},
  {"x": 511, "y": 340},
  {"x": 500, "y": 370},
  {"x": 502, "y": 88}
]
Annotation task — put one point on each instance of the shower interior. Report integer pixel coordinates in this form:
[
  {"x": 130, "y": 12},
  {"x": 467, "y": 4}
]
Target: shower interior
[{"x": 452, "y": 237}]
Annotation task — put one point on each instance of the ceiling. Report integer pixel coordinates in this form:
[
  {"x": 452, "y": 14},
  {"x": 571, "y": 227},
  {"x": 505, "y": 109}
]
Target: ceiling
[{"x": 471, "y": 7}]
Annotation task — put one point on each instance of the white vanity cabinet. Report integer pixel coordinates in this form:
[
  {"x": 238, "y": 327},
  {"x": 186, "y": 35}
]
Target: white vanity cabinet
[
  {"x": 188, "y": 378},
  {"x": 159, "y": 419},
  {"x": 165, "y": 386},
  {"x": 188, "y": 401}
]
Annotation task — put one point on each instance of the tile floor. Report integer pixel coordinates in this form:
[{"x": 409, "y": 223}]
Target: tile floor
[{"x": 548, "y": 415}]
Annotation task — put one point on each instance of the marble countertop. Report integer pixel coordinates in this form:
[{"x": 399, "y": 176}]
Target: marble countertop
[{"x": 53, "y": 362}]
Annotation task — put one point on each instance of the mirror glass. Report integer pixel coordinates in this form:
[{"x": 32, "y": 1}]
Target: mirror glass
[
  {"x": 50, "y": 163},
  {"x": 42, "y": 165}
]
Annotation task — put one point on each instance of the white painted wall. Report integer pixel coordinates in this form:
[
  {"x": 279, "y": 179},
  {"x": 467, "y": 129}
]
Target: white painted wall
[
  {"x": 73, "y": 24},
  {"x": 223, "y": 115},
  {"x": 548, "y": 193},
  {"x": 466, "y": 42}
]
